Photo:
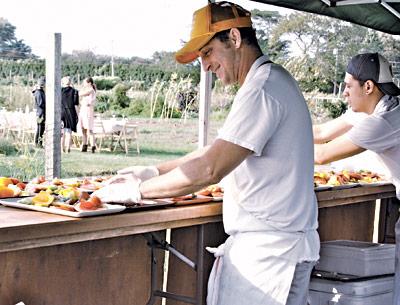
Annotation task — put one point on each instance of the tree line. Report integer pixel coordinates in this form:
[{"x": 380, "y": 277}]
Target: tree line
[{"x": 315, "y": 49}]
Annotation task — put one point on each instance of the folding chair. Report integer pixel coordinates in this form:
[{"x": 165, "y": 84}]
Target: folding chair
[
  {"x": 128, "y": 134},
  {"x": 100, "y": 132}
]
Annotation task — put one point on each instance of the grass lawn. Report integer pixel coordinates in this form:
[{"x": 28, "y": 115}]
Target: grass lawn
[{"x": 159, "y": 140}]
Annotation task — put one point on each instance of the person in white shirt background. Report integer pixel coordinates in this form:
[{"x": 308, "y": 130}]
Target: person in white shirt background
[
  {"x": 263, "y": 149},
  {"x": 86, "y": 113},
  {"x": 369, "y": 89}
]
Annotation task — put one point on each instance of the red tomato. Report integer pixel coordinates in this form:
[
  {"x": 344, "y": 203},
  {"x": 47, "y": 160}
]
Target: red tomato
[
  {"x": 21, "y": 185},
  {"x": 96, "y": 201},
  {"x": 15, "y": 180},
  {"x": 87, "y": 205}
]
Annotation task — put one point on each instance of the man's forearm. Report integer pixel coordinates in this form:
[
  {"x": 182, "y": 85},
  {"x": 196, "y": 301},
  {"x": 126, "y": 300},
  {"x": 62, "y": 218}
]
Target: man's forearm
[{"x": 167, "y": 166}]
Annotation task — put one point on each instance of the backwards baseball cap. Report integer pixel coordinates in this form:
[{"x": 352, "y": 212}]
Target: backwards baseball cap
[
  {"x": 373, "y": 66},
  {"x": 209, "y": 20}
]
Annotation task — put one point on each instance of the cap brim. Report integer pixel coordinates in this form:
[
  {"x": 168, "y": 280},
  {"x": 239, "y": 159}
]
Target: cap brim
[
  {"x": 389, "y": 89},
  {"x": 190, "y": 50}
]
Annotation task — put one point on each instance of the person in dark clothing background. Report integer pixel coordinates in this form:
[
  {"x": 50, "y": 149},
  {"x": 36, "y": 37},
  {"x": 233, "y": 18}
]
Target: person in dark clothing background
[
  {"x": 69, "y": 112},
  {"x": 40, "y": 106}
]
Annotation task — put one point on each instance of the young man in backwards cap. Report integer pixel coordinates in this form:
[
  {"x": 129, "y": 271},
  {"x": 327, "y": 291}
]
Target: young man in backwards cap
[
  {"x": 264, "y": 152},
  {"x": 369, "y": 89}
]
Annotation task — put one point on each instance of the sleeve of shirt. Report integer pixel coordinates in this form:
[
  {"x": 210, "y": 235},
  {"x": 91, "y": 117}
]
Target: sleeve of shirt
[
  {"x": 252, "y": 121},
  {"x": 373, "y": 133}
]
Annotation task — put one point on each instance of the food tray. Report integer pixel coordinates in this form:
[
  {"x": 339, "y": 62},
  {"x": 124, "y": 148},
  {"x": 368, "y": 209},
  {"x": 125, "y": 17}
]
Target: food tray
[
  {"x": 147, "y": 204},
  {"x": 322, "y": 187},
  {"x": 198, "y": 199},
  {"x": 345, "y": 186},
  {"x": 377, "y": 183},
  {"x": 110, "y": 209}
]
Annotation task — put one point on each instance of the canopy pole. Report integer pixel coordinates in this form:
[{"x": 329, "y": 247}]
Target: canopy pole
[
  {"x": 53, "y": 109},
  {"x": 390, "y": 9},
  {"x": 204, "y": 107}
]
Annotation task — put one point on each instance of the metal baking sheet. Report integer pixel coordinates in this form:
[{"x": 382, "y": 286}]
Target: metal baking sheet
[
  {"x": 148, "y": 204},
  {"x": 108, "y": 209}
]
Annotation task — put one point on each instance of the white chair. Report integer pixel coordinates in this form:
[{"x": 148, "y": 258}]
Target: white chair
[
  {"x": 128, "y": 134},
  {"x": 100, "y": 133}
]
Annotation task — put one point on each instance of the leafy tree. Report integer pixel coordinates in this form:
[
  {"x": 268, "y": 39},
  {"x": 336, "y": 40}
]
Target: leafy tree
[
  {"x": 391, "y": 47},
  {"x": 324, "y": 46},
  {"x": 10, "y": 46},
  {"x": 265, "y": 22}
]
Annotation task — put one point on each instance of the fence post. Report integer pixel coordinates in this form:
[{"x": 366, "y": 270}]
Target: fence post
[{"x": 53, "y": 109}]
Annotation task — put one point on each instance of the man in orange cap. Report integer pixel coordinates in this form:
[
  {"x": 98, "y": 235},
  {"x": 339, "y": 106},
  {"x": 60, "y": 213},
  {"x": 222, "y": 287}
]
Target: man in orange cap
[{"x": 263, "y": 153}]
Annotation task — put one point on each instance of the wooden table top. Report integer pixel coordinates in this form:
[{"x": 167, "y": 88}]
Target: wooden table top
[{"x": 24, "y": 229}]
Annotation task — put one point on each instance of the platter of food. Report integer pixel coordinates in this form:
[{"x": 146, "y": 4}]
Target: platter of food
[
  {"x": 210, "y": 193},
  {"x": 376, "y": 183},
  {"x": 147, "y": 204},
  {"x": 54, "y": 209},
  {"x": 321, "y": 187},
  {"x": 336, "y": 180}
]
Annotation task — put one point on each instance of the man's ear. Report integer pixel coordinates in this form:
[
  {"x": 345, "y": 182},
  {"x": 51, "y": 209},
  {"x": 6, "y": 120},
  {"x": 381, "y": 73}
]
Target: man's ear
[
  {"x": 369, "y": 86},
  {"x": 235, "y": 37}
]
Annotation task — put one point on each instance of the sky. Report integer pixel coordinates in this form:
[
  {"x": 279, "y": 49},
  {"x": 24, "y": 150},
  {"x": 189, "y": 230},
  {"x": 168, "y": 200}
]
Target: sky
[{"x": 123, "y": 28}]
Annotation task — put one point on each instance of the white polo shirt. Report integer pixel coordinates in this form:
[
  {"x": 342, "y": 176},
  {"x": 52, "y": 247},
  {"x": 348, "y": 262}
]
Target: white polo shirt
[
  {"x": 272, "y": 190},
  {"x": 380, "y": 133}
]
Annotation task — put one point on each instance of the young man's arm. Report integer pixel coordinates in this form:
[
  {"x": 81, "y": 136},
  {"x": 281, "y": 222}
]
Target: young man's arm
[
  {"x": 330, "y": 130},
  {"x": 337, "y": 149}
]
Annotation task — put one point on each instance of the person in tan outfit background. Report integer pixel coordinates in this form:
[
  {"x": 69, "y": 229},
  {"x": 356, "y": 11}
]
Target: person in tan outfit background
[{"x": 86, "y": 113}]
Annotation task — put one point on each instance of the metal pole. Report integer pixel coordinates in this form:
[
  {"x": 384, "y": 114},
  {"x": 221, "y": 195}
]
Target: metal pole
[
  {"x": 335, "y": 52},
  {"x": 112, "y": 58},
  {"x": 204, "y": 107},
  {"x": 53, "y": 109}
]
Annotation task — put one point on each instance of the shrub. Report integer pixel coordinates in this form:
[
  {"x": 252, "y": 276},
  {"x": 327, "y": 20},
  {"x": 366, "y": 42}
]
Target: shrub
[
  {"x": 137, "y": 107},
  {"x": 106, "y": 83},
  {"x": 102, "y": 102},
  {"x": 7, "y": 147},
  {"x": 335, "y": 109},
  {"x": 119, "y": 99}
]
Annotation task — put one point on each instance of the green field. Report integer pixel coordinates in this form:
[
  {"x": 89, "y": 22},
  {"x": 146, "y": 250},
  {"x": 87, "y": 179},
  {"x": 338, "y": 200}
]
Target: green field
[{"x": 159, "y": 140}]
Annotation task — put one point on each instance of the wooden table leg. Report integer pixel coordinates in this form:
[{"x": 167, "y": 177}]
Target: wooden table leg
[{"x": 181, "y": 278}]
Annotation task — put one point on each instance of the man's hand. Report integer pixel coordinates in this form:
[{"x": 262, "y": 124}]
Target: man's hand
[
  {"x": 142, "y": 172},
  {"x": 120, "y": 189}
]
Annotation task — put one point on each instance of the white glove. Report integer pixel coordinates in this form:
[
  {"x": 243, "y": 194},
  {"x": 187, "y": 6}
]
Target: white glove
[
  {"x": 125, "y": 189},
  {"x": 142, "y": 172}
]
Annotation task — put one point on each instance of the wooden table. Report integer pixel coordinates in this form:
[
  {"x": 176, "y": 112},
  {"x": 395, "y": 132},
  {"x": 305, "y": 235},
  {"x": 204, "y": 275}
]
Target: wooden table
[{"x": 55, "y": 260}]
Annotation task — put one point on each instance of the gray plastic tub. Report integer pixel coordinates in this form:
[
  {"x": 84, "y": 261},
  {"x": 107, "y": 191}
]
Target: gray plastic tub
[
  {"x": 375, "y": 291},
  {"x": 356, "y": 258}
]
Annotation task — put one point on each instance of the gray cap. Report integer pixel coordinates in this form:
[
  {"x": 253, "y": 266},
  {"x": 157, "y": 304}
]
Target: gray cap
[{"x": 375, "y": 67}]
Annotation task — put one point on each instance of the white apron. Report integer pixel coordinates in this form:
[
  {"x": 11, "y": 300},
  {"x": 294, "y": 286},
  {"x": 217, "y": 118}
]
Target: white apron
[{"x": 254, "y": 268}]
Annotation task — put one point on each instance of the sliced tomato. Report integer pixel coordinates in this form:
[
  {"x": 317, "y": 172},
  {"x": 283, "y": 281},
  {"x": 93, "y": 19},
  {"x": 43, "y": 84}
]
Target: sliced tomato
[
  {"x": 15, "y": 180},
  {"x": 21, "y": 185},
  {"x": 87, "y": 205}
]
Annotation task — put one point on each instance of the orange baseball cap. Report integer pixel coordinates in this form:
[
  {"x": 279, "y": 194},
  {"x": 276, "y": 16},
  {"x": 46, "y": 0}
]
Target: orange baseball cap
[{"x": 209, "y": 20}]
